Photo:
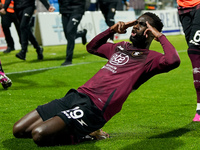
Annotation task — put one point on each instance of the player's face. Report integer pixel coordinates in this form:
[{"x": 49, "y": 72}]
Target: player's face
[{"x": 137, "y": 37}]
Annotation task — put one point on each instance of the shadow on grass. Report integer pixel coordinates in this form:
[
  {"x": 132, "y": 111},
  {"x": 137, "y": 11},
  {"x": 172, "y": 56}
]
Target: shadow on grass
[
  {"x": 22, "y": 82},
  {"x": 56, "y": 58},
  {"x": 19, "y": 144},
  {"x": 166, "y": 141},
  {"x": 155, "y": 144},
  {"x": 28, "y": 144},
  {"x": 11, "y": 63},
  {"x": 47, "y": 59},
  {"x": 190, "y": 129},
  {"x": 19, "y": 78},
  {"x": 75, "y": 56}
]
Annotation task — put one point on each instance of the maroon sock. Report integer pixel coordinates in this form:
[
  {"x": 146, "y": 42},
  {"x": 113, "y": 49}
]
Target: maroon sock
[{"x": 195, "y": 60}]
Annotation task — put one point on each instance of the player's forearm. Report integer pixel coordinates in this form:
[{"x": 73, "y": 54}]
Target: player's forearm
[
  {"x": 171, "y": 56},
  {"x": 99, "y": 40}
]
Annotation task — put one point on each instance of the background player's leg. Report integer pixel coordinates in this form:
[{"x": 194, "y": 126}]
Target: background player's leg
[
  {"x": 194, "y": 55},
  {"x": 23, "y": 127}
]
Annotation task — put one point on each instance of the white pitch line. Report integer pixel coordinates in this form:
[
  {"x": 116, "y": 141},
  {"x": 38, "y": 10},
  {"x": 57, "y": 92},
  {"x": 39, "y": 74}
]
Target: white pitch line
[
  {"x": 182, "y": 51},
  {"x": 49, "y": 68}
]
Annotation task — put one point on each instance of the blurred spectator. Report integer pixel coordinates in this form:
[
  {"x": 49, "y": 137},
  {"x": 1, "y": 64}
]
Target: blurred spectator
[
  {"x": 72, "y": 12},
  {"x": 93, "y": 5},
  {"x": 55, "y": 4},
  {"x": 108, "y": 9},
  {"x": 6, "y": 21},
  {"x": 123, "y": 5},
  {"x": 87, "y": 5},
  {"x": 138, "y": 6},
  {"x": 24, "y": 11},
  {"x": 189, "y": 16},
  {"x": 40, "y": 7}
]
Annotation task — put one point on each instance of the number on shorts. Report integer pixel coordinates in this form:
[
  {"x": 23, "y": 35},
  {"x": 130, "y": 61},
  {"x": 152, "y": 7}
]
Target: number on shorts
[
  {"x": 197, "y": 36},
  {"x": 74, "y": 113}
]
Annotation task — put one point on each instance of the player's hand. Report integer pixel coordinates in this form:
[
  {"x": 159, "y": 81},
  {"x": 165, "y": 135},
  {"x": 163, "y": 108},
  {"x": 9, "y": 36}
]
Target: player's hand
[
  {"x": 2, "y": 11},
  {"x": 153, "y": 32},
  {"x": 121, "y": 27},
  {"x": 51, "y": 9}
]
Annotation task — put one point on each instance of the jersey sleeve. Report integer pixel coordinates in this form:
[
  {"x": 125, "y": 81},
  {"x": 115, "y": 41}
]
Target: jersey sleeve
[
  {"x": 164, "y": 62},
  {"x": 99, "y": 46}
]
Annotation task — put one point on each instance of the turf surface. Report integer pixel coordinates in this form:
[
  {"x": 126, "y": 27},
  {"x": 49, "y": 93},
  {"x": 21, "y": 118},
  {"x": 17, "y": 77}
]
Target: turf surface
[{"x": 158, "y": 116}]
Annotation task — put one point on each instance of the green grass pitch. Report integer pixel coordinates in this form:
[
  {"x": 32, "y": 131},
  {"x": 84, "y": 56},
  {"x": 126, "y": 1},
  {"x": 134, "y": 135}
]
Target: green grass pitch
[{"x": 158, "y": 116}]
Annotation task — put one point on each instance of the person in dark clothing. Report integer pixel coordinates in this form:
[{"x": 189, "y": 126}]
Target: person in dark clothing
[
  {"x": 189, "y": 15},
  {"x": 122, "y": 3},
  {"x": 72, "y": 12},
  {"x": 6, "y": 20},
  {"x": 24, "y": 10},
  {"x": 108, "y": 9},
  {"x": 85, "y": 110}
]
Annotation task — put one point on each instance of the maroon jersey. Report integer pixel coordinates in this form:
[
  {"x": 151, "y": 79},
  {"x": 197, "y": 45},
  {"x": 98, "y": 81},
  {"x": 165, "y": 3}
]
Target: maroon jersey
[{"x": 127, "y": 68}]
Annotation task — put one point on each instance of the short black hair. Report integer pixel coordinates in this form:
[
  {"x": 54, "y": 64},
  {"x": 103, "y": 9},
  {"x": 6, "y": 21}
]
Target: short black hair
[{"x": 157, "y": 23}]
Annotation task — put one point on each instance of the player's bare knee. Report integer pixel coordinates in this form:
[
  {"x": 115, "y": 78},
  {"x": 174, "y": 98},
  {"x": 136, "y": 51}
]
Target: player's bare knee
[
  {"x": 37, "y": 135},
  {"x": 18, "y": 130}
]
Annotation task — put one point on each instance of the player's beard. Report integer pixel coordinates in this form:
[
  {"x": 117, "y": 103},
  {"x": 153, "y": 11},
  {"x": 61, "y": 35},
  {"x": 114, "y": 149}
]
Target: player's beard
[{"x": 138, "y": 41}]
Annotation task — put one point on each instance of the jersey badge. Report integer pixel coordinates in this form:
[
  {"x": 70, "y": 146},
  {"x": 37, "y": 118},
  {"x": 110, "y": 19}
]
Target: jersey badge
[{"x": 119, "y": 58}]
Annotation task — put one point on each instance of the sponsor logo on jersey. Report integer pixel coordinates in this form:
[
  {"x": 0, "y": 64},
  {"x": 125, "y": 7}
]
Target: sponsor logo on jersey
[{"x": 113, "y": 69}]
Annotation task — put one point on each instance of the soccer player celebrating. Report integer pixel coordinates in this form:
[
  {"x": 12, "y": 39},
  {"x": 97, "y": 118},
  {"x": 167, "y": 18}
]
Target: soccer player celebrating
[
  {"x": 189, "y": 12},
  {"x": 84, "y": 111}
]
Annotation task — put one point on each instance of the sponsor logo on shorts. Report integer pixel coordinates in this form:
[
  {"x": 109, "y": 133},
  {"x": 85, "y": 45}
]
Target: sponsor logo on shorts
[{"x": 82, "y": 122}]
